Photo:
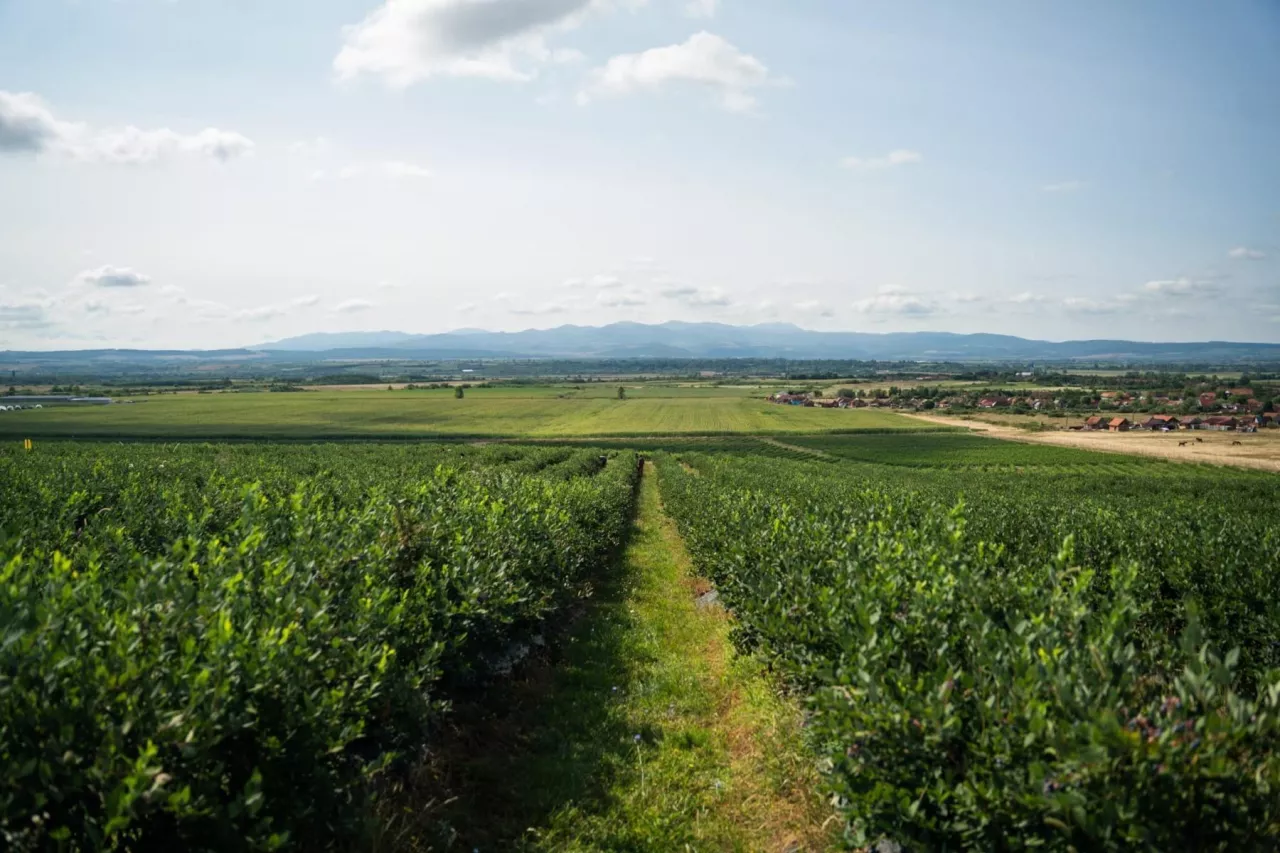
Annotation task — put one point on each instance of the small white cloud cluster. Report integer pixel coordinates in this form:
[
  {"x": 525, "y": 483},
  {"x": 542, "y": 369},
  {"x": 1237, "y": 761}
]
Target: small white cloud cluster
[
  {"x": 109, "y": 276},
  {"x": 704, "y": 60},
  {"x": 696, "y": 297},
  {"x": 1181, "y": 287},
  {"x": 28, "y": 125},
  {"x": 891, "y": 300}
]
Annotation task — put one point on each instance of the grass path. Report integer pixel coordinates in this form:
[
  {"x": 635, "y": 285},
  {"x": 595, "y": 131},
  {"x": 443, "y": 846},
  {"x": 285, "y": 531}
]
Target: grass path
[
  {"x": 810, "y": 451},
  {"x": 650, "y": 734}
]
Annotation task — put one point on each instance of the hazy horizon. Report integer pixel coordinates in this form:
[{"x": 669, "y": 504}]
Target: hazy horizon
[
  {"x": 191, "y": 174},
  {"x": 402, "y": 334}
]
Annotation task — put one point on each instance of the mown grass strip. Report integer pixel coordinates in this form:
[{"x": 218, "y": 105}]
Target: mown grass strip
[
  {"x": 715, "y": 759},
  {"x": 649, "y": 733}
]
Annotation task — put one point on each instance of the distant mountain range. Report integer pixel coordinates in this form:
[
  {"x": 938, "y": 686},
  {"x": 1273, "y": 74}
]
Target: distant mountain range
[
  {"x": 674, "y": 340},
  {"x": 769, "y": 340}
]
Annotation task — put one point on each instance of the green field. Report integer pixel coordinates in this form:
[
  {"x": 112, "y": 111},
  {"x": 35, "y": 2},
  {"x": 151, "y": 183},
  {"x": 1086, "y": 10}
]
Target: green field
[
  {"x": 547, "y": 412},
  {"x": 935, "y": 637},
  {"x": 957, "y": 450}
]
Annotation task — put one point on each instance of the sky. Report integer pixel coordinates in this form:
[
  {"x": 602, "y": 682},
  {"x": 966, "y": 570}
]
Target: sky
[{"x": 216, "y": 173}]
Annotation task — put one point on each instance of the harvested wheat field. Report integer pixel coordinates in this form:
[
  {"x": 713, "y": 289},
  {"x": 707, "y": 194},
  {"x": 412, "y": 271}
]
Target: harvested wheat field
[{"x": 1259, "y": 450}]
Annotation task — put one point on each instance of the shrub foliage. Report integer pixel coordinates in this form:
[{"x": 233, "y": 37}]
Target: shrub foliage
[
  {"x": 220, "y": 647},
  {"x": 995, "y": 663}
]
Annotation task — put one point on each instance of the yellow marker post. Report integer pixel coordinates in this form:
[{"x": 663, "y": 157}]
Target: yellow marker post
[{"x": 26, "y": 444}]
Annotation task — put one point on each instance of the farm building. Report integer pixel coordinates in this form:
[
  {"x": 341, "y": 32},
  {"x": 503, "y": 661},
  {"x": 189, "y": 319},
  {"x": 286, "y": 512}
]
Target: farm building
[
  {"x": 1192, "y": 423},
  {"x": 1095, "y": 422},
  {"x": 1161, "y": 422},
  {"x": 1221, "y": 422},
  {"x": 1119, "y": 425}
]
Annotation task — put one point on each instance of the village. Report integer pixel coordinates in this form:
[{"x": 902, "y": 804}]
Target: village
[{"x": 1229, "y": 409}]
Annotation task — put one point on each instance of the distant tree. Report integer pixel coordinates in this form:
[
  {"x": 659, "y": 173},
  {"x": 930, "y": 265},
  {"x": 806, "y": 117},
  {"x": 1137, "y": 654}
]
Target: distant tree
[
  {"x": 845, "y": 393},
  {"x": 622, "y": 393},
  {"x": 457, "y": 393}
]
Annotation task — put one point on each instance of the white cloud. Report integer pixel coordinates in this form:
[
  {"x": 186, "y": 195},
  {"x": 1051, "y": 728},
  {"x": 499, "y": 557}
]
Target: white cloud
[
  {"x": 261, "y": 313},
  {"x": 1086, "y": 305},
  {"x": 25, "y": 314},
  {"x": 109, "y": 276},
  {"x": 616, "y": 299},
  {"x": 813, "y": 306},
  {"x": 406, "y": 41},
  {"x": 399, "y": 169},
  {"x": 1180, "y": 287},
  {"x": 605, "y": 282},
  {"x": 1063, "y": 187},
  {"x": 1244, "y": 253},
  {"x": 27, "y": 125},
  {"x": 351, "y": 306},
  {"x": 897, "y": 157},
  {"x": 968, "y": 298},
  {"x": 1026, "y": 297},
  {"x": 697, "y": 297},
  {"x": 701, "y": 8},
  {"x": 307, "y": 301},
  {"x": 704, "y": 60},
  {"x": 892, "y": 300}
]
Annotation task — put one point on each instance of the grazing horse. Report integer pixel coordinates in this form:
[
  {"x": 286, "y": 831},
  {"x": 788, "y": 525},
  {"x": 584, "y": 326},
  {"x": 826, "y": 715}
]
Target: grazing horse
[
  {"x": 1241, "y": 443},
  {"x": 1182, "y": 444},
  {"x": 1199, "y": 441}
]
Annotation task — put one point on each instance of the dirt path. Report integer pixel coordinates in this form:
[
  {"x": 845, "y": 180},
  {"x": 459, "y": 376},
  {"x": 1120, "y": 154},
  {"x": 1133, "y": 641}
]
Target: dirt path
[{"x": 1256, "y": 450}]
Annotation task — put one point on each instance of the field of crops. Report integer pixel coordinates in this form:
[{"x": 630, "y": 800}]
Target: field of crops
[
  {"x": 1066, "y": 661},
  {"x": 1000, "y": 645},
  {"x": 483, "y": 412},
  {"x": 956, "y": 450},
  {"x": 227, "y": 647}
]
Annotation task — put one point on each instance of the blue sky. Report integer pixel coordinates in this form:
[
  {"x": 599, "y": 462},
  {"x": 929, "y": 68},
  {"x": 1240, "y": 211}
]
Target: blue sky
[{"x": 197, "y": 173}]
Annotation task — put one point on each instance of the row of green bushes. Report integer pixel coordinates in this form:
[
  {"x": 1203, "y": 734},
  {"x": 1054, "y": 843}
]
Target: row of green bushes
[
  {"x": 234, "y": 669},
  {"x": 973, "y": 686}
]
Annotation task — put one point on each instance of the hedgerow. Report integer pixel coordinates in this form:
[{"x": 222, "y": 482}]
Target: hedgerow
[
  {"x": 222, "y": 648},
  {"x": 1005, "y": 665}
]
